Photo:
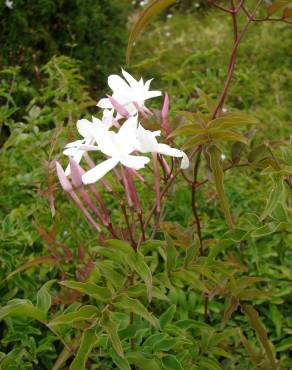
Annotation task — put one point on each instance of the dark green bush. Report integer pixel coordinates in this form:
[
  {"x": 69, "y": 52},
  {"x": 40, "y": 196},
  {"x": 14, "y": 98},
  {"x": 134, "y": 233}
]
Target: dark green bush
[{"x": 92, "y": 31}]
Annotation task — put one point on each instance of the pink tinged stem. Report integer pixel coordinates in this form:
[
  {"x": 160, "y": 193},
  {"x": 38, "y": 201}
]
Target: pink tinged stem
[
  {"x": 66, "y": 185},
  {"x": 146, "y": 113},
  {"x": 136, "y": 174},
  {"x": 77, "y": 182},
  {"x": 165, "y": 167},
  {"x": 135, "y": 200},
  {"x": 157, "y": 184},
  {"x": 119, "y": 107},
  {"x": 132, "y": 189},
  {"x": 127, "y": 189},
  {"x": 97, "y": 196}
]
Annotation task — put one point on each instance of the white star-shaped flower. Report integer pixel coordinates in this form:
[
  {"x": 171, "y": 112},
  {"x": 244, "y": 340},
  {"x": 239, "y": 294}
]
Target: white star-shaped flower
[
  {"x": 88, "y": 130},
  {"x": 118, "y": 147},
  {"x": 131, "y": 94}
]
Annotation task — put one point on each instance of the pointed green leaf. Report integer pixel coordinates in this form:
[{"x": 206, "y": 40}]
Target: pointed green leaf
[
  {"x": 84, "y": 313},
  {"x": 260, "y": 330},
  {"x": 277, "y": 5},
  {"x": 167, "y": 316},
  {"x": 232, "y": 120},
  {"x": 171, "y": 254},
  {"x": 22, "y": 307},
  {"x": 87, "y": 343},
  {"x": 215, "y": 161},
  {"x": 149, "y": 12},
  {"x": 195, "y": 140},
  {"x": 274, "y": 197},
  {"x": 93, "y": 290},
  {"x": 226, "y": 135},
  {"x": 190, "y": 129},
  {"x": 140, "y": 360},
  {"x": 138, "y": 264},
  {"x": 111, "y": 327},
  {"x": 44, "y": 298},
  {"x": 124, "y": 302},
  {"x": 171, "y": 362}
]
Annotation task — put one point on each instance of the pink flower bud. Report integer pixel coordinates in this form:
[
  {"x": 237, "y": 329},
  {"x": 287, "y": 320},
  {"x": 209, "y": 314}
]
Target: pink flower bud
[
  {"x": 65, "y": 183},
  {"x": 75, "y": 173},
  {"x": 118, "y": 107},
  {"x": 164, "y": 114}
]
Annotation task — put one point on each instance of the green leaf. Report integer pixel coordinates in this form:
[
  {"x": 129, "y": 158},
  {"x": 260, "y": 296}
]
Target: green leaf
[
  {"x": 215, "y": 162},
  {"x": 236, "y": 151},
  {"x": 122, "y": 363},
  {"x": 138, "y": 264},
  {"x": 274, "y": 197},
  {"x": 171, "y": 254},
  {"x": 84, "y": 313},
  {"x": 149, "y": 12},
  {"x": 209, "y": 103},
  {"x": 260, "y": 330},
  {"x": 140, "y": 360},
  {"x": 208, "y": 363},
  {"x": 171, "y": 362},
  {"x": 195, "y": 140},
  {"x": 22, "y": 307},
  {"x": 110, "y": 326},
  {"x": 93, "y": 290},
  {"x": 124, "y": 302},
  {"x": 167, "y": 316},
  {"x": 284, "y": 345},
  {"x": 277, "y": 318},
  {"x": 188, "y": 324},
  {"x": 232, "y": 120},
  {"x": 277, "y": 5},
  {"x": 258, "y": 153},
  {"x": 190, "y": 129},
  {"x": 226, "y": 135},
  {"x": 121, "y": 246},
  {"x": 87, "y": 343},
  {"x": 44, "y": 298}
]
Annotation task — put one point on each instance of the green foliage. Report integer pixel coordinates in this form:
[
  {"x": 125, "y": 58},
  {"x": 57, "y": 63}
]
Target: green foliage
[
  {"x": 165, "y": 306},
  {"x": 86, "y": 30}
]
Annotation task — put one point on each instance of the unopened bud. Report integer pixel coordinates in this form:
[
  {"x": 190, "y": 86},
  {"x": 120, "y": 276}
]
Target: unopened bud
[
  {"x": 119, "y": 107},
  {"x": 65, "y": 183},
  {"x": 75, "y": 174}
]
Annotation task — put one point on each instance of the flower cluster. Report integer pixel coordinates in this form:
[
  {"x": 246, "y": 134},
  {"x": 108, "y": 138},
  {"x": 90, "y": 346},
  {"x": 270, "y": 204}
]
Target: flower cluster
[{"x": 119, "y": 135}]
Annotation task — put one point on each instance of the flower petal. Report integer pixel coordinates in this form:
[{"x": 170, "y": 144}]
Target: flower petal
[
  {"x": 104, "y": 103},
  {"x": 126, "y": 137},
  {"x": 185, "y": 163},
  {"x": 86, "y": 128},
  {"x": 167, "y": 150},
  {"x": 116, "y": 83},
  {"x": 146, "y": 141},
  {"x": 130, "y": 79},
  {"x": 99, "y": 171},
  {"x": 133, "y": 161}
]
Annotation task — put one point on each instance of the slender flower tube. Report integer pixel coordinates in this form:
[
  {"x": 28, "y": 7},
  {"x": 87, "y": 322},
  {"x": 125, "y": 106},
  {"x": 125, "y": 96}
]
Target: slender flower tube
[{"x": 66, "y": 185}]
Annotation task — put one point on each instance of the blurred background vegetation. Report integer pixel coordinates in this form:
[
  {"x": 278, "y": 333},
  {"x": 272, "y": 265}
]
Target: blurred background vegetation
[{"x": 55, "y": 57}]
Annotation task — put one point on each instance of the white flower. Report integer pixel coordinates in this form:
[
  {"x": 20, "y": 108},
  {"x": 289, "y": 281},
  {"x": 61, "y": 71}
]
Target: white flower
[
  {"x": 118, "y": 147},
  {"x": 147, "y": 142},
  {"x": 88, "y": 130},
  {"x": 131, "y": 94},
  {"x": 9, "y": 4}
]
